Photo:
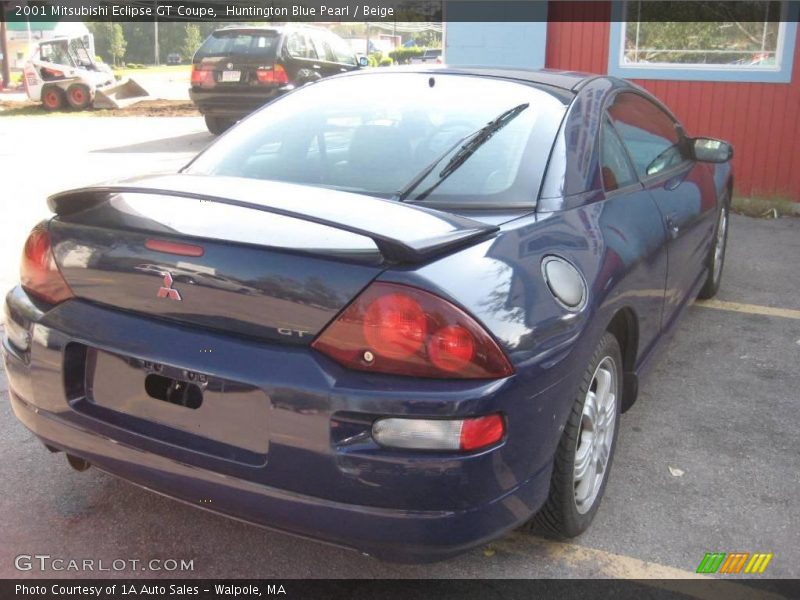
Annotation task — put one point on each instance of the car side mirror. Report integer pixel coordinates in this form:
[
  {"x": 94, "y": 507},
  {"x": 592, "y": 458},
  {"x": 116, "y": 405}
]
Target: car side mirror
[
  {"x": 363, "y": 61},
  {"x": 711, "y": 150}
]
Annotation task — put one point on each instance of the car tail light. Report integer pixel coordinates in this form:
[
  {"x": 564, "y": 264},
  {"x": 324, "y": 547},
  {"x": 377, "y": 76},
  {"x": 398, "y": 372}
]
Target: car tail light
[
  {"x": 275, "y": 74},
  {"x": 402, "y": 330},
  {"x": 439, "y": 434},
  {"x": 39, "y": 274},
  {"x": 201, "y": 76}
]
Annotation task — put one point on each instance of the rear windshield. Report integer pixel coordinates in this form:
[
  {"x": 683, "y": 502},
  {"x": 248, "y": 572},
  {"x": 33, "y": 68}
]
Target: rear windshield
[
  {"x": 239, "y": 43},
  {"x": 376, "y": 133}
]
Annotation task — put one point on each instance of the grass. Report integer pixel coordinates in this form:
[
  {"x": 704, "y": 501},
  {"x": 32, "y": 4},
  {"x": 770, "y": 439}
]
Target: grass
[{"x": 772, "y": 207}]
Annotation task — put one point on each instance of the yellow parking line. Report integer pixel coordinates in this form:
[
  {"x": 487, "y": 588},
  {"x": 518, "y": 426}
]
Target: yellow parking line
[
  {"x": 591, "y": 562},
  {"x": 753, "y": 309}
]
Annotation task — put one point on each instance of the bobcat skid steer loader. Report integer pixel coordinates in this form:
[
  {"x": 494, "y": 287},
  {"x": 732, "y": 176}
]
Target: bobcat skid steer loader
[{"x": 63, "y": 71}]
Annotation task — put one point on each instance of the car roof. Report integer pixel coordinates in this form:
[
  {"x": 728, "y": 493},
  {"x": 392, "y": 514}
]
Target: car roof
[
  {"x": 564, "y": 83},
  {"x": 271, "y": 28},
  {"x": 565, "y": 80}
]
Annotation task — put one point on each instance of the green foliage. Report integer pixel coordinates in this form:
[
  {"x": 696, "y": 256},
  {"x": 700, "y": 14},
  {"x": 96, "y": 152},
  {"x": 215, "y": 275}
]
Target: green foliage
[
  {"x": 118, "y": 44},
  {"x": 372, "y": 61},
  {"x": 109, "y": 41},
  {"x": 171, "y": 39},
  {"x": 403, "y": 56},
  {"x": 191, "y": 41},
  {"x": 428, "y": 39},
  {"x": 386, "y": 62}
]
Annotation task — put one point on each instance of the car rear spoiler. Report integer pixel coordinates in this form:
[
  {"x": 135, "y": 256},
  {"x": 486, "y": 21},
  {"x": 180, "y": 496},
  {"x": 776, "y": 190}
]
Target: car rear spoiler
[{"x": 402, "y": 232}]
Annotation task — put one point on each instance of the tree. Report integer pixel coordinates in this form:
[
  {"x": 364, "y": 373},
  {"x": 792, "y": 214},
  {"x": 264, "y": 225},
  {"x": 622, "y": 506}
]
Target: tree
[
  {"x": 102, "y": 32},
  {"x": 117, "y": 44},
  {"x": 191, "y": 41}
]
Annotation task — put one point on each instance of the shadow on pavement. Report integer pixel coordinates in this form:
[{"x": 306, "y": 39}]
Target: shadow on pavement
[{"x": 183, "y": 143}]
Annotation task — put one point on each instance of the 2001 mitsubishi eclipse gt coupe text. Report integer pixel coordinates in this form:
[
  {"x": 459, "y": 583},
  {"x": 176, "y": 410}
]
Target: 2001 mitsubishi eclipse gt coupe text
[{"x": 400, "y": 311}]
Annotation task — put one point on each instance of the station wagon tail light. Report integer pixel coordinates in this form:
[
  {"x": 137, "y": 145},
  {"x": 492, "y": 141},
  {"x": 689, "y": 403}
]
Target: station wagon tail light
[
  {"x": 401, "y": 330},
  {"x": 275, "y": 74},
  {"x": 201, "y": 76},
  {"x": 39, "y": 274},
  {"x": 440, "y": 434}
]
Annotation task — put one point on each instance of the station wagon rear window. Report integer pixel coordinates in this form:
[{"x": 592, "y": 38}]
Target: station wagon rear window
[{"x": 238, "y": 43}]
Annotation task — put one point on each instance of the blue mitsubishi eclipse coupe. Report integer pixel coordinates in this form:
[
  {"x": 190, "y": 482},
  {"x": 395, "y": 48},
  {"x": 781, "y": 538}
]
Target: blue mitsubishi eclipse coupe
[{"x": 400, "y": 311}]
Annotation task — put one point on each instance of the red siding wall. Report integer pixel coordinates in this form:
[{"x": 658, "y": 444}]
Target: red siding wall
[{"x": 762, "y": 120}]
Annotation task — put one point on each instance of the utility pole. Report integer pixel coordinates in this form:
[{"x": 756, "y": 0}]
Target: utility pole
[
  {"x": 4, "y": 49},
  {"x": 155, "y": 33}
]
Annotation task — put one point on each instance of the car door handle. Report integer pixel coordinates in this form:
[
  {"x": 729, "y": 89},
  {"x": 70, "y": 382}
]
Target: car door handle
[
  {"x": 672, "y": 227},
  {"x": 316, "y": 67}
]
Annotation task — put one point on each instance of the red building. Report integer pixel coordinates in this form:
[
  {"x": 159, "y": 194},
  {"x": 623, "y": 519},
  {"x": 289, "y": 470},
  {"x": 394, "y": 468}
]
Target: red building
[{"x": 744, "y": 88}]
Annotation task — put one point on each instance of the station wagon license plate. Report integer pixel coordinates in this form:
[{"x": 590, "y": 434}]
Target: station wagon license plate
[{"x": 228, "y": 76}]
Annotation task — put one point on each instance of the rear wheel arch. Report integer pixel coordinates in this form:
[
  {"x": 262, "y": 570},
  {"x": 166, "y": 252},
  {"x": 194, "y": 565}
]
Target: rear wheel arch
[{"x": 624, "y": 326}]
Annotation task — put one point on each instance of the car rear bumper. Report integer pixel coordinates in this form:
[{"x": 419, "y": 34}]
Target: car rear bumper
[
  {"x": 389, "y": 534},
  {"x": 233, "y": 104},
  {"x": 322, "y": 477}
]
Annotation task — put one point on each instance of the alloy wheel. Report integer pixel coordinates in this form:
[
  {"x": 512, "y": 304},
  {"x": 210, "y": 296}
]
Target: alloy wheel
[
  {"x": 719, "y": 243},
  {"x": 596, "y": 435}
]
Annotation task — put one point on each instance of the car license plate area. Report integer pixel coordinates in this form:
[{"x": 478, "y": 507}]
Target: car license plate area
[
  {"x": 231, "y": 76},
  {"x": 207, "y": 408}
]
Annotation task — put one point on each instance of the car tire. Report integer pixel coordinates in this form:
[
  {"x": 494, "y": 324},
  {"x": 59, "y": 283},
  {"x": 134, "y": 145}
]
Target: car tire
[
  {"x": 586, "y": 449},
  {"x": 716, "y": 254},
  {"x": 79, "y": 96},
  {"x": 218, "y": 125},
  {"x": 53, "y": 98}
]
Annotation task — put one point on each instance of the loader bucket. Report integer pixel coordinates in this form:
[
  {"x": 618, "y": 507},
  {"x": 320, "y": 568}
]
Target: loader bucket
[{"x": 119, "y": 95}]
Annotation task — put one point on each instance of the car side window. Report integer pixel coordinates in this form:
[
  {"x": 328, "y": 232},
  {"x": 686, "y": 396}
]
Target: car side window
[
  {"x": 297, "y": 46},
  {"x": 649, "y": 134},
  {"x": 342, "y": 51},
  {"x": 615, "y": 166},
  {"x": 322, "y": 47}
]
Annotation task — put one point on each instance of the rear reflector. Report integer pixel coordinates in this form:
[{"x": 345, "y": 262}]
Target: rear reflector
[
  {"x": 439, "y": 434},
  {"x": 39, "y": 274},
  {"x": 393, "y": 328},
  {"x": 174, "y": 248}
]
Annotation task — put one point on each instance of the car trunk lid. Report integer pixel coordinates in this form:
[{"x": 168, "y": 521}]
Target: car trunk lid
[{"x": 267, "y": 259}]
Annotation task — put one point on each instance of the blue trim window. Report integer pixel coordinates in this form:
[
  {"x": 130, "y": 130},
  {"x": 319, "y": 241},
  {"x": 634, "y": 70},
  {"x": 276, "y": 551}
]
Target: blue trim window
[{"x": 758, "y": 47}]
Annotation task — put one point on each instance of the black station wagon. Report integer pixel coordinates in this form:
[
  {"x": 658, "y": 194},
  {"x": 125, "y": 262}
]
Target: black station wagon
[{"x": 239, "y": 69}]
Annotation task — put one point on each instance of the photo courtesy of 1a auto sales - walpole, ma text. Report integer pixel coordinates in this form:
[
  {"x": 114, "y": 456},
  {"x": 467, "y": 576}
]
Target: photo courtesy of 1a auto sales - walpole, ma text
[{"x": 400, "y": 299}]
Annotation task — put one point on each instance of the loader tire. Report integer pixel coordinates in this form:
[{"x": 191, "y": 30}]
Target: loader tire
[
  {"x": 79, "y": 96},
  {"x": 52, "y": 97},
  {"x": 218, "y": 125}
]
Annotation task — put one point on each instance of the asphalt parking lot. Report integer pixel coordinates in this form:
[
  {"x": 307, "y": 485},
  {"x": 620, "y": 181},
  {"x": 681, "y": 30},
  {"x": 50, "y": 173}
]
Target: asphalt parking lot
[{"x": 707, "y": 460}]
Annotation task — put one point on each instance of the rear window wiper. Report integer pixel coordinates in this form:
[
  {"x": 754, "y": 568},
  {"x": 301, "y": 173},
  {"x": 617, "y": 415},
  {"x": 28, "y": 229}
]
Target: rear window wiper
[{"x": 471, "y": 143}]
